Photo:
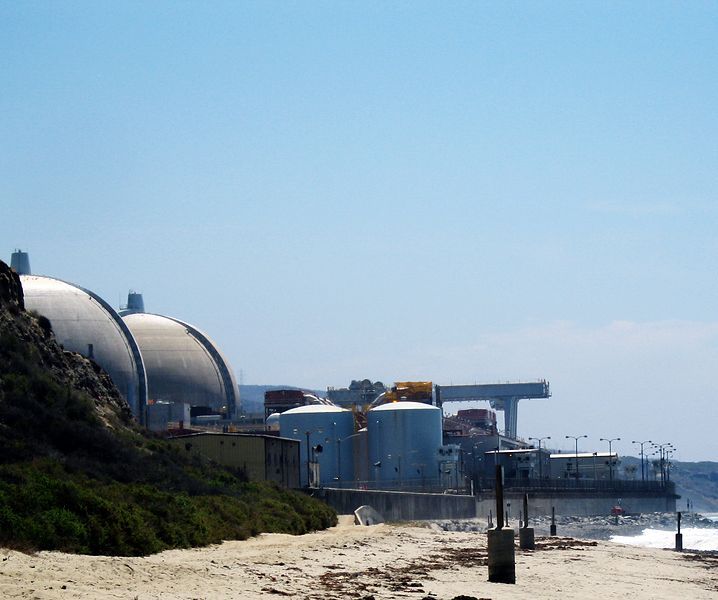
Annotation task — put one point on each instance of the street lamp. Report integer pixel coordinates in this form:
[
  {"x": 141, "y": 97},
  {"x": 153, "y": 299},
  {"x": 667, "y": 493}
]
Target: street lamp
[
  {"x": 610, "y": 456},
  {"x": 643, "y": 474},
  {"x": 539, "y": 440},
  {"x": 669, "y": 464},
  {"x": 576, "y": 438},
  {"x": 661, "y": 449}
]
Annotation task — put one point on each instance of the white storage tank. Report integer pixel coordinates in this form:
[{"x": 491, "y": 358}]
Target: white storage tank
[
  {"x": 404, "y": 439},
  {"x": 272, "y": 422},
  {"x": 320, "y": 430}
]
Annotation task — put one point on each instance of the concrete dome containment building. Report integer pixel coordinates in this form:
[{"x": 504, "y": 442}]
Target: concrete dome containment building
[
  {"x": 84, "y": 323},
  {"x": 183, "y": 365}
]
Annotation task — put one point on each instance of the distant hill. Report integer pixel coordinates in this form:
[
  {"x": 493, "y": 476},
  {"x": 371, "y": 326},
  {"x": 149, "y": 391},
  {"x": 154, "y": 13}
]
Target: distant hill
[
  {"x": 78, "y": 474},
  {"x": 252, "y": 396},
  {"x": 697, "y": 481}
]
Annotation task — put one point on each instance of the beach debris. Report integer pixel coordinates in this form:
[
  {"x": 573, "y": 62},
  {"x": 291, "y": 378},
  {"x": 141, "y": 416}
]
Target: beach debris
[{"x": 271, "y": 590}]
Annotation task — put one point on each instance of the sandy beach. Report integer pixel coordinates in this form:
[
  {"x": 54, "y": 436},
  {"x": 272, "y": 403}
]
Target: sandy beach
[{"x": 347, "y": 561}]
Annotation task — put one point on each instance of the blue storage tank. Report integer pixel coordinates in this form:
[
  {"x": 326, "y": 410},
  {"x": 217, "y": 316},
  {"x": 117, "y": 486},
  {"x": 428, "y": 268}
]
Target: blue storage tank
[
  {"x": 404, "y": 439},
  {"x": 320, "y": 425}
]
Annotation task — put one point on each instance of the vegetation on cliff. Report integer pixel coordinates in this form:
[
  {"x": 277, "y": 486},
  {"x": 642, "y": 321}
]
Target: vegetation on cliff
[{"x": 76, "y": 473}]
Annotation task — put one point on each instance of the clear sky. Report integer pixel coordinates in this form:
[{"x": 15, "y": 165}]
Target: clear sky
[{"x": 460, "y": 192}]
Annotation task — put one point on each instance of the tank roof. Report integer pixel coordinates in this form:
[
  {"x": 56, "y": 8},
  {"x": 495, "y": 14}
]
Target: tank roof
[
  {"x": 314, "y": 408},
  {"x": 405, "y": 405}
]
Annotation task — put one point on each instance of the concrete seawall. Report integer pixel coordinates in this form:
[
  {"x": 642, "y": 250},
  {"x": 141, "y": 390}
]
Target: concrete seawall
[
  {"x": 400, "y": 506},
  {"x": 579, "y": 505},
  {"x": 411, "y": 506}
]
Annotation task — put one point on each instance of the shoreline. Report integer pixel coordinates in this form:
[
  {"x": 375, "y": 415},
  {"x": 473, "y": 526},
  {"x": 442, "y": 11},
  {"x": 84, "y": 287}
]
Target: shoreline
[
  {"x": 347, "y": 561},
  {"x": 592, "y": 528}
]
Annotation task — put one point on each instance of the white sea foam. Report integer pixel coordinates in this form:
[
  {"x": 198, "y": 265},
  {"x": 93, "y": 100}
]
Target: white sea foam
[{"x": 694, "y": 538}]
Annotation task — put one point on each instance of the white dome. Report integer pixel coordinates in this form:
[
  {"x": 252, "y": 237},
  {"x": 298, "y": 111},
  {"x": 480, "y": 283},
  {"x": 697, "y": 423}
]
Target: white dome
[
  {"x": 84, "y": 323},
  {"x": 182, "y": 363}
]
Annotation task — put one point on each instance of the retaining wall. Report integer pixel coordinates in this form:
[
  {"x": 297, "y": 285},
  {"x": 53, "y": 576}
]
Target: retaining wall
[
  {"x": 411, "y": 506},
  {"x": 579, "y": 505},
  {"x": 400, "y": 506}
]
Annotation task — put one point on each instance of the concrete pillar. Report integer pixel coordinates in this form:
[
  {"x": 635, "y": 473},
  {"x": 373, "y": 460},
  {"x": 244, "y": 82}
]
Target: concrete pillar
[
  {"x": 526, "y": 538},
  {"x": 526, "y": 533},
  {"x": 679, "y": 536},
  {"x": 502, "y": 559}
]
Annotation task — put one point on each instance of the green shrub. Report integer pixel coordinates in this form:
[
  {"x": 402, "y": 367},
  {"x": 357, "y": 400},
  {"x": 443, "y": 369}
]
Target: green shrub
[{"x": 69, "y": 483}]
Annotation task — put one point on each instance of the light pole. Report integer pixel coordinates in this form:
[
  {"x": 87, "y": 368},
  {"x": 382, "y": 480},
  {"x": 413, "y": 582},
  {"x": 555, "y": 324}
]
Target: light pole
[
  {"x": 661, "y": 448},
  {"x": 539, "y": 440},
  {"x": 576, "y": 438},
  {"x": 643, "y": 474},
  {"x": 669, "y": 464},
  {"x": 610, "y": 456}
]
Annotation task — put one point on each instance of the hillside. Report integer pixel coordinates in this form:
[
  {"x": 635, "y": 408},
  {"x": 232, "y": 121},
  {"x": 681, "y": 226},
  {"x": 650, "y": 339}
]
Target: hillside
[
  {"x": 77, "y": 474},
  {"x": 695, "y": 481}
]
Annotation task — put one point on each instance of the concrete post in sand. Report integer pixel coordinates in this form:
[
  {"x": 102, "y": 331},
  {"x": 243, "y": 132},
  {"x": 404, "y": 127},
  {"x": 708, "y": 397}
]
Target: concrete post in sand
[
  {"x": 679, "y": 536},
  {"x": 526, "y": 533},
  {"x": 552, "y": 531},
  {"x": 502, "y": 559}
]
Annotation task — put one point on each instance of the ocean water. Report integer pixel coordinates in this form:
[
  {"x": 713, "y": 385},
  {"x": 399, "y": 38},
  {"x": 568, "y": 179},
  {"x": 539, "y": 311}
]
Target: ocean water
[{"x": 694, "y": 538}]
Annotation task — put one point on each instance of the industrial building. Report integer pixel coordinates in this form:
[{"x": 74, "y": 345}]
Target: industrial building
[
  {"x": 363, "y": 437},
  {"x": 357, "y": 395},
  {"x": 591, "y": 465},
  {"x": 259, "y": 457},
  {"x": 182, "y": 363},
  {"x": 150, "y": 358}
]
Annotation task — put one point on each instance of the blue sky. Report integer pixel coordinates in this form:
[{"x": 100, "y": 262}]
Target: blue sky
[{"x": 450, "y": 191}]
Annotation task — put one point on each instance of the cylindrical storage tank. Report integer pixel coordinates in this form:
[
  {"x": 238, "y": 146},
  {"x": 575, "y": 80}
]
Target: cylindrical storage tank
[
  {"x": 404, "y": 439},
  {"x": 360, "y": 453},
  {"x": 325, "y": 427},
  {"x": 272, "y": 422}
]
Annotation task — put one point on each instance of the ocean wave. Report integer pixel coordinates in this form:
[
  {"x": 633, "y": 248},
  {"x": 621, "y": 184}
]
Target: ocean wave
[{"x": 694, "y": 538}]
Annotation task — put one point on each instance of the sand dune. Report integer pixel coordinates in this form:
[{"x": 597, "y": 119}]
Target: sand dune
[{"x": 384, "y": 561}]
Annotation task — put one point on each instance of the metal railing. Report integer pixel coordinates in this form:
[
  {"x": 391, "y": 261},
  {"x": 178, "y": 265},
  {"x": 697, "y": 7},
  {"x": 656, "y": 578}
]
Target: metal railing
[
  {"x": 617, "y": 485},
  {"x": 426, "y": 485}
]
